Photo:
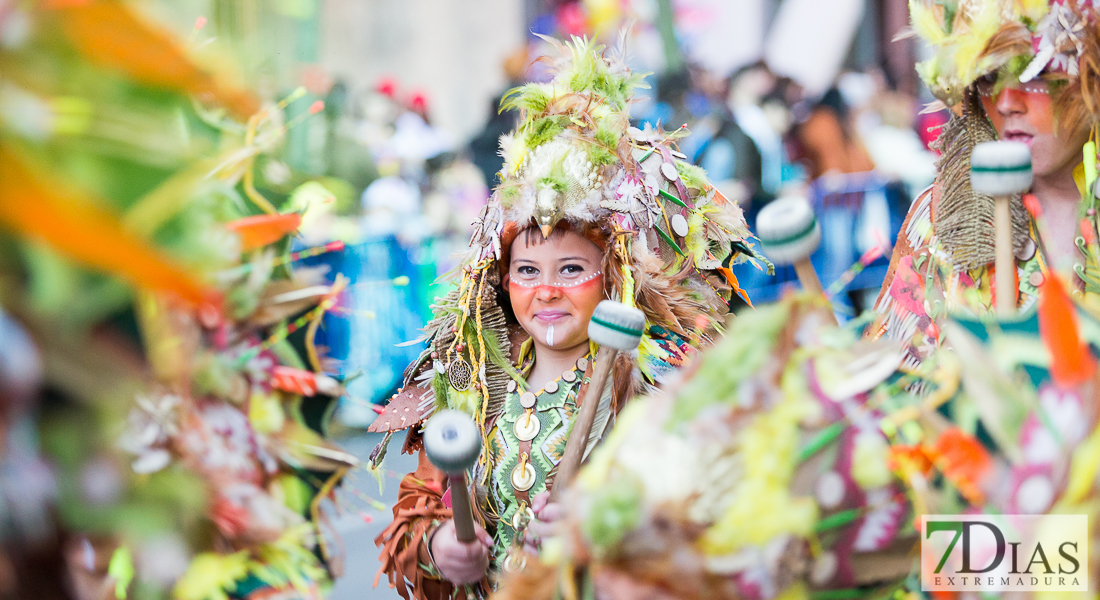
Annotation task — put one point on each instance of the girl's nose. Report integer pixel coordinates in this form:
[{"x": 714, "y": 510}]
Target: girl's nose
[
  {"x": 1012, "y": 101},
  {"x": 547, "y": 293}
]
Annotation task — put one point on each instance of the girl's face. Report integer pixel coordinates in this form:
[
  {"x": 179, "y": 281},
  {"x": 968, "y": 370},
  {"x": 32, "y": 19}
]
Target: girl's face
[
  {"x": 1025, "y": 113},
  {"x": 555, "y": 285}
]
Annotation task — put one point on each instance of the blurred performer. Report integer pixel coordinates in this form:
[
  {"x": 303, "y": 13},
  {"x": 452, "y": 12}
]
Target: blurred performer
[
  {"x": 588, "y": 209},
  {"x": 828, "y": 141},
  {"x": 1033, "y": 78}
]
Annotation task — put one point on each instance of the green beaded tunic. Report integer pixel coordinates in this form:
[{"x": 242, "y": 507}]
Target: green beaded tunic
[{"x": 546, "y": 423}]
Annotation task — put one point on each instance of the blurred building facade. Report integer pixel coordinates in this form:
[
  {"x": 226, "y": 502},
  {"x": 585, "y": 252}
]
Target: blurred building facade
[{"x": 452, "y": 51}]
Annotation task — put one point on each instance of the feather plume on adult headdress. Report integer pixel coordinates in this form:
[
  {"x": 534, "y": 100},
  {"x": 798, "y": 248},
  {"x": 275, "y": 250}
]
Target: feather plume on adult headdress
[
  {"x": 972, "y": 38},
  {"x": 969, "y": 38}
]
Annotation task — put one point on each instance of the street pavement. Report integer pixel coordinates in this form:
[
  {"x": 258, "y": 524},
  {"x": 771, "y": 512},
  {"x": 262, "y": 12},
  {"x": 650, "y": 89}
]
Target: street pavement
[{"x": 357, "y": 497}]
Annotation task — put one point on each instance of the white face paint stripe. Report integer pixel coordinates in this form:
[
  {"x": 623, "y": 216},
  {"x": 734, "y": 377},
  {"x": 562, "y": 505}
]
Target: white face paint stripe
[
  {"x": 550, "y": 335},
  {"x": 535, "y": 284}
]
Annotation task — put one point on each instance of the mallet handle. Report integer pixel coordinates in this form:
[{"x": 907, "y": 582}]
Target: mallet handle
[
  {"x": 1004, "y": 263},
  {"x": 570, "y": 461},
  {"x": 461, "y": 512},
  {"x": 807, "y": 276}
]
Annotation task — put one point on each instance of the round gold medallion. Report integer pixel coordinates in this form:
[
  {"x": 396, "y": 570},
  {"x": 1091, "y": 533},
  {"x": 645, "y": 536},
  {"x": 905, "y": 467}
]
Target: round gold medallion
[
  {"x": 522, "y": 518},
  {"x": 515, "y": 562},
  {"x": 527, "y": 427},
  {"x": 525, "y": 479}
]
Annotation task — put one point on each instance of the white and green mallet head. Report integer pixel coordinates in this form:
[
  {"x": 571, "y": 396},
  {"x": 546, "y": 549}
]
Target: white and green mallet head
[
  {"x": 788, "y": 230},
  {"x": 616, "y": 325},
  {"x": 452, "y": 441},
  {"x": 1000, "y": 168}
]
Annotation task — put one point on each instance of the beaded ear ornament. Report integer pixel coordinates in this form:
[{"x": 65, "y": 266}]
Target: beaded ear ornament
[{"x": 470, "y": 344}]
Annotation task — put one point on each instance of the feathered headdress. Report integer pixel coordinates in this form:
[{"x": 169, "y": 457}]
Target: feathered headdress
[
  {"x": 972, "y": 38},
  {"x": 574, "y": 160}
]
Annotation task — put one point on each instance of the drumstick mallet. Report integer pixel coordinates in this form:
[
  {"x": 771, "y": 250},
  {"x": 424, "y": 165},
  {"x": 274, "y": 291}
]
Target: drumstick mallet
[
  {"x": 789, "y": 234},
  {"x": 616, "y": 327},
  {"x": 453, "y": 443},
  {"x": 1002, "y": 170}
]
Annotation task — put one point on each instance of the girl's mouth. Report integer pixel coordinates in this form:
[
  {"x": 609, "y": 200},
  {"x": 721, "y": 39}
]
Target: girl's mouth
[
  {"x": 551, "y": 316},
  {"x": 1014, "y": 135}
]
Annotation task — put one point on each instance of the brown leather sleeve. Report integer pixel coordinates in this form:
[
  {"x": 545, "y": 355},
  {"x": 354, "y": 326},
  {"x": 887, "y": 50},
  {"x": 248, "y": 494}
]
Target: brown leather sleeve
[{"x": 419, "y": 507}]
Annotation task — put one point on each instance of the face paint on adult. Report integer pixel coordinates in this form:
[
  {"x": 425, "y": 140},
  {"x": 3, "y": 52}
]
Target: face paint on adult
[{"x": 1025, "y": 113}]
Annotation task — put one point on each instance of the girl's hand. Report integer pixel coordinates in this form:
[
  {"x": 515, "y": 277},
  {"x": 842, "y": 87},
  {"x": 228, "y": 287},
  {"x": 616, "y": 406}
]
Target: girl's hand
[
  {"x": 457, "y": 562},
  {"x": 545, "y": 523}
]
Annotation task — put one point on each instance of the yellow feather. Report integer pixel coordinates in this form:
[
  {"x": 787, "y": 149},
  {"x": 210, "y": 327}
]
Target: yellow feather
[
  {"x": 925, "y": 23},
  {"x": 972, "y": 43},
  {"x": 1033, "y": 9}
]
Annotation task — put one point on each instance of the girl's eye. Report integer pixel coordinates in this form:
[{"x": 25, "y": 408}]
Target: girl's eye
[
  {"x": 572, "y": 270},
  {"x": 527, "y": 271},
  {"x": 987, "y": 84}
]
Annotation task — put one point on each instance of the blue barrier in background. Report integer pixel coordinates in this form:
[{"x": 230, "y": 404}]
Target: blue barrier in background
[{"x": 850, "y": 209}]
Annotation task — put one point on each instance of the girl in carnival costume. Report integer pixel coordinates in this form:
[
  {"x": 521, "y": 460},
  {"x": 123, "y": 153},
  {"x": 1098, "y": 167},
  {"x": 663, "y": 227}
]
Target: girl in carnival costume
[
  {"x": 589, "y": 208},
  {"x": 1017, "y": 70}
]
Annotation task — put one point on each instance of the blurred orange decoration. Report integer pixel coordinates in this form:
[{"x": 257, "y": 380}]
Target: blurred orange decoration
[
  {"x": 908, "y": 461},
  {"x": 108, "y": 33},
  {"x": 261, "y": 230},
  {"x": 963, "y": 461},
  {"x": 1070, "y": 362},
  {"x": 75, "y": 225}
]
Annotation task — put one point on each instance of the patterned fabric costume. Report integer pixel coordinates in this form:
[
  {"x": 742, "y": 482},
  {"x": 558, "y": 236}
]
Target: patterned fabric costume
[
  {"x": 943, "y": 259},
  {"x": 668, "y": 238},
  {"x": 793, "y": 462},
  {"x": 762, "y": 475}
]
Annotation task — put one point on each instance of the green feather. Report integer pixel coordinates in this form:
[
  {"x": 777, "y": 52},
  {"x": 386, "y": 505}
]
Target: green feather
[
  {"x": 693, "y": 177},
  {"x": 533, "y": 97},
  {"x": 508, "y": 195},
  {"x": 741, "y": 353},
  {"x": 540, "y": 131},
  {"x": 555, "y": 180},
  {"x": 600, "y": 156},
  {"x": 607, "y": 137},
  {"x": 440, "y": 387}
]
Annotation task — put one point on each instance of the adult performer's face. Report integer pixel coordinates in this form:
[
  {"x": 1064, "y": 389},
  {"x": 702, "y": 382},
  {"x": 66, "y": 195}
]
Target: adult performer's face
[
  {"x": 1025, "y": 113},
  {"x": 554, "y": 285}
]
